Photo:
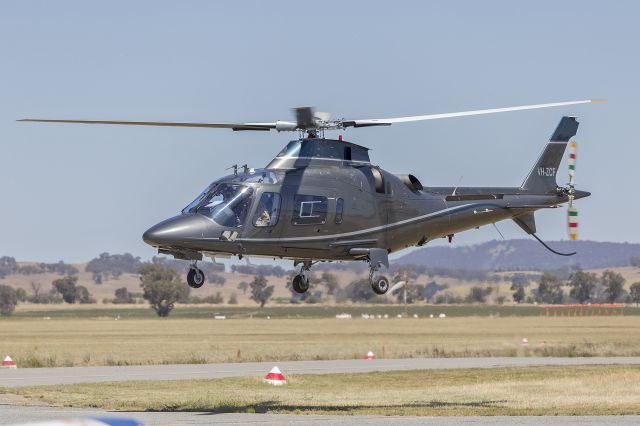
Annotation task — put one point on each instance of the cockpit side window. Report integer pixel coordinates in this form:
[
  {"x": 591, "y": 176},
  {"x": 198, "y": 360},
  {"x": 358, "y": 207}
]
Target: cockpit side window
[{"x": 267, "y": 211}]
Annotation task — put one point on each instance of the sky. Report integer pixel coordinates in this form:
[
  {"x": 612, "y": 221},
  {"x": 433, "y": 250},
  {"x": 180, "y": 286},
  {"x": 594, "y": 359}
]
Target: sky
[{"x": 71, "y": 191}]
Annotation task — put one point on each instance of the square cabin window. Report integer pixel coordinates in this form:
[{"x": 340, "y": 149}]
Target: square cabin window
[{"x": 309, "y": 210}]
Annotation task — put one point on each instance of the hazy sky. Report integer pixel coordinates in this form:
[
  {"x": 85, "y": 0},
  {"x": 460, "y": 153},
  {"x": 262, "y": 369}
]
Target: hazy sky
[{"x": 70, "y": 191}]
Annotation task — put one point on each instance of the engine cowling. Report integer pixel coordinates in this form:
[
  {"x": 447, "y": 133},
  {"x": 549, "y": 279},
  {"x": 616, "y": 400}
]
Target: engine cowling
[{"x": 412, "y": 182}]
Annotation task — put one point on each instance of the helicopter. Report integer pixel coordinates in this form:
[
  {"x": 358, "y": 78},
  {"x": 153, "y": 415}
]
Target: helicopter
[{"x": 323, "y": 200}]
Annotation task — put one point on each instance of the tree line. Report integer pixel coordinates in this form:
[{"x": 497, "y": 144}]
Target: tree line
[
  {"x": 580, "y": 287},
  {"x": 8, "y": 266}
]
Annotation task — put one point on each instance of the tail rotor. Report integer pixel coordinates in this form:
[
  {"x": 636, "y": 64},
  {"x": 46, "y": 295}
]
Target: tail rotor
[{"x": 572, "y": 211}]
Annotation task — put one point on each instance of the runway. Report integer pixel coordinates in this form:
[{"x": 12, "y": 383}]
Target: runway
[{"x": 69, "y": 375}]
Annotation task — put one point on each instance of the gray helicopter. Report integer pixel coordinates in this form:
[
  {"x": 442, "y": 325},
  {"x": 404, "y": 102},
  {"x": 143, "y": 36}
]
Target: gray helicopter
[{"x": 322, "y": 199}]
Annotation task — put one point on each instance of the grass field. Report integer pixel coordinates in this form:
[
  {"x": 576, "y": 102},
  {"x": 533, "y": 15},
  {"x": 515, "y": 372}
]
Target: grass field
[
  {"x": 103, "y": 311},
  {"x": 575, "y": 390},
  {"x": 37, "y": 342}
]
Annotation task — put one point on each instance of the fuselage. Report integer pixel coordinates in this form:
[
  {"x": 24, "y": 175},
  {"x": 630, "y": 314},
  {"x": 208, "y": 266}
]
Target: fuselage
[{"x": 320, "y": 199}]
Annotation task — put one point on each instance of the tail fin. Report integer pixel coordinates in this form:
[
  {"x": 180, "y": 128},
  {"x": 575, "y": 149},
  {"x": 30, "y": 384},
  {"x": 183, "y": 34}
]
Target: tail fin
[{"x": 542, "y": 178}]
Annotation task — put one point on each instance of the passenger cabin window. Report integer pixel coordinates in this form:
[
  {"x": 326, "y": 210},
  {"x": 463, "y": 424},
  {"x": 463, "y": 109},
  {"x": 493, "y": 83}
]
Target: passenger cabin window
[
  {"x": 339, "y": 210},
  {"x": 267, "y": 211},
  {"x": 309, "y": 210}
]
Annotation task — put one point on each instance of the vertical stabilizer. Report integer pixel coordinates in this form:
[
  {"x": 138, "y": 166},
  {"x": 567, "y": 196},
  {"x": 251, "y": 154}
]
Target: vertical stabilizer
[{"x": 542, "y": 178}]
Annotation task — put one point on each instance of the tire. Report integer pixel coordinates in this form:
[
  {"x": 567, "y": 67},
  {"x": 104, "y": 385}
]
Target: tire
[
  {"x": 380, "y": 284},
  {"x": 195, "y": 278},
  {"x": 300, "y": 284}
]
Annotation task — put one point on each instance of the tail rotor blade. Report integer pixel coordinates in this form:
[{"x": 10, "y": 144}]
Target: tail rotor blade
[
  {"x": 572, "y": 211},
  {"x": 572, "y": 162},
  {"x": 572, "y": 222},
  {"x": 397, "y": 286}
]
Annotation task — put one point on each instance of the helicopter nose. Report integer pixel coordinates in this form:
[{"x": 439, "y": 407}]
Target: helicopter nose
[{"x": 176, "y": 231}]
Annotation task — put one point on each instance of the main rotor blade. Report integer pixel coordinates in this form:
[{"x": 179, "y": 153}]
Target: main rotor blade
[
  {"x": 234, "y": 126},
  {"x": 389, "y": 121}
]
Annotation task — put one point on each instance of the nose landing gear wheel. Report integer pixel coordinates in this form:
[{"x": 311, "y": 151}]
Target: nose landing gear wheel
[
  {"x": 379, "y": 284},
  {"x": 300, "y": 284},
  {"x": 195, "y": 278}
]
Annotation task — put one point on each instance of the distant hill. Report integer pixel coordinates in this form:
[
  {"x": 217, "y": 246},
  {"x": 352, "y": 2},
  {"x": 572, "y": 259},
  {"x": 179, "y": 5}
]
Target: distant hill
[{"x": 523, "y": 254}]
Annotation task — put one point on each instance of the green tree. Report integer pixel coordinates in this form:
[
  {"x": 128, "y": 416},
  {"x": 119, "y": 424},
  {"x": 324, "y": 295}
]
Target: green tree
[
  {"x": 233, "y": 299},
  {"x": 83, "y": 296},
  {"x": 582, "y": 285},
  {"x": 518, "y": 294},
  {"x": 478, "y": 294},
  {"x": 122, "y": 295},
  {"x": 21, "y": 294},
  {"x": 243, "y": 285},
  {"x": 162, "y": 287},
  {"x": 359, "y": 291},
  {"x": 549, "y": 289},
  {"x": 260, "y": 292},
  {"x": 613, "y": 284},
  {"x": 634, "y": 292},
  {"x": 66, "y": 286},
  {"x": 8, "y": 300},
  {"x": 113, "y": 265},
  {"x": 431, "y": 289},
  {"x": 330, "y": 281}
]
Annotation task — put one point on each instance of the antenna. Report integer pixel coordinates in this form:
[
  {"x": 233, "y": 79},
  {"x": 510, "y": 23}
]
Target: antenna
[
  {"x": 457, "y": 185},
  {"x": 235, "y": 169}
]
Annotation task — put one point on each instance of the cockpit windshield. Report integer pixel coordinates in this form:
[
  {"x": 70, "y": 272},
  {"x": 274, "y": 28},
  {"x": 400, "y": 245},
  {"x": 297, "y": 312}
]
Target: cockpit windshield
[{"x": 226, "y": 203}]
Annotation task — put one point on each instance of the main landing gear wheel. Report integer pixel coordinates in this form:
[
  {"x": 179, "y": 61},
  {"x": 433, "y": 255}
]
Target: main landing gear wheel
[
  {"x": 300, "y": 284},
  {"x": 379, "y": 283},
  {"x": 195, "y": 278}
]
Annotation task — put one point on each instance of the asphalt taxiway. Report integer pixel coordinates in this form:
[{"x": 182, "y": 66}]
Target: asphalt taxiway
[
  {"x": 14, "y": 411},
  {"x": 69, "y": 375},
  {"x": 11, "y": 414}
]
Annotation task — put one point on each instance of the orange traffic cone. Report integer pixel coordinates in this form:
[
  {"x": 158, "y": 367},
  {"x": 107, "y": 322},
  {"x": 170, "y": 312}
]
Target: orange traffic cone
[
  {"x": 275, "y": 377},
  {"x": 370, "y": 355},
  {"x": 9, "y": 363}
]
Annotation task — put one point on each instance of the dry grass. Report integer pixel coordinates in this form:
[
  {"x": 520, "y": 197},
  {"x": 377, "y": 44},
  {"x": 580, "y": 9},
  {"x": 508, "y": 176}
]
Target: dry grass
[
  {"x": 575, "y": 390},
  {"x": 73, "y": 342}
]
